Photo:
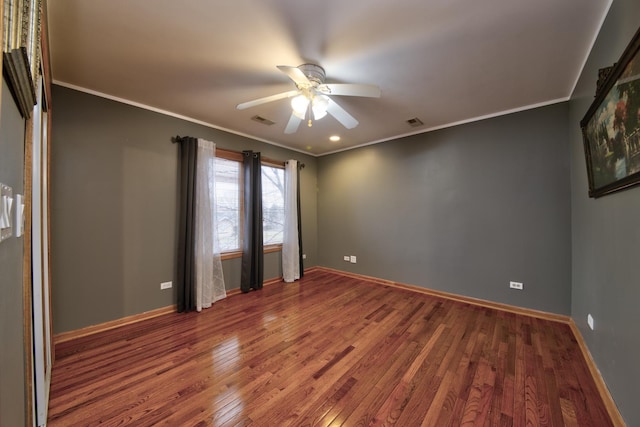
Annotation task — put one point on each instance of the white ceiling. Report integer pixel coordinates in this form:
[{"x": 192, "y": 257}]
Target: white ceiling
[{"x": 443, "y": 61}]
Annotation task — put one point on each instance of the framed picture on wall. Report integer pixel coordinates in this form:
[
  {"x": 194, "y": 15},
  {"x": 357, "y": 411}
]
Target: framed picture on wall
[
  {"x": 611, "y": 127},
  {"x": 21, "y": 50}
]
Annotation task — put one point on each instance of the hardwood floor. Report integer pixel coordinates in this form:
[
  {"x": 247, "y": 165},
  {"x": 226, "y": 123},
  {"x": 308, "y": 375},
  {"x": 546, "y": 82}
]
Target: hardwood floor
[{"x": 328, "y": 350}]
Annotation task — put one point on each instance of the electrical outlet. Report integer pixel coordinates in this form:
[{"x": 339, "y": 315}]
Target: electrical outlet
[
  {"x": 166, "y": 285},
  {"x": 515, "y": 285},
  {"x": 346, "y": 258},
  {"x": 304, "y": 256},
  {"x": 590, "y": 321},
  {"x": 352, "y": 258}
]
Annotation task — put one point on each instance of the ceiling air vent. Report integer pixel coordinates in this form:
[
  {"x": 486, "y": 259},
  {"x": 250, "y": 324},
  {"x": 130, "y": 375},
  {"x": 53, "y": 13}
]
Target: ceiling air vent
[
  {"x": 262, "y": 120},
  {"x": 415, "y": 122}
]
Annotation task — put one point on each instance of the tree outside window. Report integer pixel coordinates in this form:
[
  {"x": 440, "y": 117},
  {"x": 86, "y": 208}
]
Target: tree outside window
[
  {"x": 272, "y": 205},
  {"x": 228, "y": 204}
]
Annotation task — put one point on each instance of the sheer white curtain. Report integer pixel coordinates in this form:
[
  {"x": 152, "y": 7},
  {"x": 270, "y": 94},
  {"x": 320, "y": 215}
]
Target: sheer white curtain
[
  {"x": 290, "y": 246},
  {"x": 209, "y": 277}
]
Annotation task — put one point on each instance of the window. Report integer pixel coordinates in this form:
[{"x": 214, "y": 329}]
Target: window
[
  {"x": 272, "y": 205},
  {"x": 228, "y": 204}
]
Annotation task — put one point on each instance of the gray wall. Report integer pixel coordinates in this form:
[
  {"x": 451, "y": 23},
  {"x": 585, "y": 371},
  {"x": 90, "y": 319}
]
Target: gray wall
[
  {"x": 606, "y": 238},
  {"x": 114, "y": 207},
  {"x": 12, "y": 358},
  {"x": 463, "y": 210}
]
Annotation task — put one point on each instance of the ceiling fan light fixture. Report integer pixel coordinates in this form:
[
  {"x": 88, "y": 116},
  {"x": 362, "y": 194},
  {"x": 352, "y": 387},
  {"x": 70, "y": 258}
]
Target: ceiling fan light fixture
[
  {"x": 319, "y": 106},
  {"x": 299, "y": 104}
]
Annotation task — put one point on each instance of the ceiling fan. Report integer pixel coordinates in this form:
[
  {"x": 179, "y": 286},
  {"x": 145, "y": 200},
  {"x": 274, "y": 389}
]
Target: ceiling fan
[{"x": 312, "y": 96}]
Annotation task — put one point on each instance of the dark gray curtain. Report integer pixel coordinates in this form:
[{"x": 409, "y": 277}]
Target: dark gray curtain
[
  {"x": 185, "y": 280},
  {"x": 252, "y": 251},
  {"x": 299, "y": 221}
]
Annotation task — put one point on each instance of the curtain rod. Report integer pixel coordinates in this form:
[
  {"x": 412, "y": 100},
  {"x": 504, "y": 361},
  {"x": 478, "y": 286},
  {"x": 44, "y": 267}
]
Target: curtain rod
[{"x": 179, "y": 138}]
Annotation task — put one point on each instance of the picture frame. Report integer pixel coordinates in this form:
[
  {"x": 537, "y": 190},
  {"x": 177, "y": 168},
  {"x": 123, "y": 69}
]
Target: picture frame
[
  {"x": 21, "y": 50},
  {"x": 611, "y": 126}
]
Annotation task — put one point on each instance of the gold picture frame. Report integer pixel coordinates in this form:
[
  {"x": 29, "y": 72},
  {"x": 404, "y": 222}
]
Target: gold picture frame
[
  {"x": 611, "y": 126},
  {"x": 21, "y": 50}
]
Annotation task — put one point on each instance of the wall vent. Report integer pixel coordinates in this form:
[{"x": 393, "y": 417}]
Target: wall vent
[
  {"x": 262, "y": 120},
  {"x": 415, "y": 122}
]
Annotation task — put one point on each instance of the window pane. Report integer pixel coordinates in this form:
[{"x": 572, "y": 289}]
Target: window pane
[
  {"x": 272, "y": 204},
  {"x": 228, "y": 204}
]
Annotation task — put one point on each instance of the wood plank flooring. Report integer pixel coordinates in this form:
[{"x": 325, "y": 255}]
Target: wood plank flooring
[{"x": 328, "y": 350}]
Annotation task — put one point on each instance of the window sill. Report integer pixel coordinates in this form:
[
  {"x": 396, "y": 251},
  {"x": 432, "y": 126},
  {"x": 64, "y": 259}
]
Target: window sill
[
  {"x": 238, "y": 254},
  {"x": 272, "y": 248},
  {"x": 230, "y": 255}
]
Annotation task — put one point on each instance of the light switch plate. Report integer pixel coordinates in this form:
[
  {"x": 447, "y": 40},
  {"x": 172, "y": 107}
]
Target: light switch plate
[
  {"x": 19, "y": 218},
  {"x": 6, "y": 214}
]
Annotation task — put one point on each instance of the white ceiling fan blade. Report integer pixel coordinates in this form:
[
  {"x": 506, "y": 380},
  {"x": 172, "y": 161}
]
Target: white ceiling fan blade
[
  {"x": 346, "y": 119},
  {"x": 292, "y": 125},
  {"x": 295, "y": 74},
  {"x": 266, "y": 99},
  {"x": 347, "y": 89}
]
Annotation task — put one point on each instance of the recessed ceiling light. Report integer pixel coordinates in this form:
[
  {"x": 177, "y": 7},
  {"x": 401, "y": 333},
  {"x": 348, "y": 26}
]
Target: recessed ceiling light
[{"x": 334, "y": 138}]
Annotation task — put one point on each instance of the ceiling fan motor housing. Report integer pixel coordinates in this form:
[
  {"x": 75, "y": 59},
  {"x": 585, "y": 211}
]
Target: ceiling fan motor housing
[{"x": 314, "y": 73}]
